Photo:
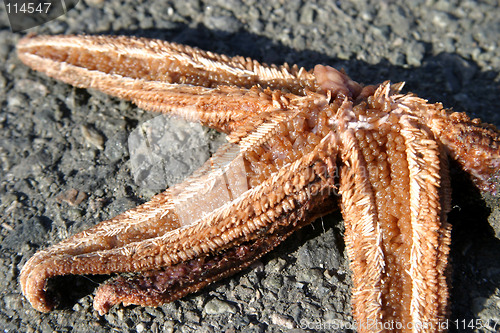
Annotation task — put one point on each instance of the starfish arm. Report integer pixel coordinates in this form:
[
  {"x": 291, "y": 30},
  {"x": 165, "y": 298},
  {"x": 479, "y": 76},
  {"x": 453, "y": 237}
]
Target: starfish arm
[
  {"x": 153, "y": 288},
  {"x": 473, "y": 144},
  {"x": 157, "y": 60},
  {"x": 476, "y": 147},
  {"x": 164, "y": 212},
  {"x": 220, "y": 92},
  {"x": 395, "y": 196},
  {"x": 253, "y": 223}
]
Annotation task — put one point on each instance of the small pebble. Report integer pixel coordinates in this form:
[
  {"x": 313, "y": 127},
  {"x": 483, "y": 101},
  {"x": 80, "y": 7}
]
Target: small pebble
[
  {"x": 217, "y": 307},
  {"x": 93, "y": 137},
  {"x": 73, "y": 197}
]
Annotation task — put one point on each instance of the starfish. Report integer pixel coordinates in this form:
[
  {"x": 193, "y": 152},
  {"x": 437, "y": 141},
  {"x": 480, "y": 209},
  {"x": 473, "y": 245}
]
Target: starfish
[{"x": 297, "y": 139}]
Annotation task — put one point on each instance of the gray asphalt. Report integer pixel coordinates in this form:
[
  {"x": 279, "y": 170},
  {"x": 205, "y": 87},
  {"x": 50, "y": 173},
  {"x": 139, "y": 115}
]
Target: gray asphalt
[{"x": 446, "y": 51}]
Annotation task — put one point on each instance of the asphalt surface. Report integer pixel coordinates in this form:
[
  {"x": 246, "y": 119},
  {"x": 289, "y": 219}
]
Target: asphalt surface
[{"x": 65, "y": 160}]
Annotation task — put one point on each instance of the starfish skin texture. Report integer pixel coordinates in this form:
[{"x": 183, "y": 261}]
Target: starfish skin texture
[{"x": 296, "y": 140}]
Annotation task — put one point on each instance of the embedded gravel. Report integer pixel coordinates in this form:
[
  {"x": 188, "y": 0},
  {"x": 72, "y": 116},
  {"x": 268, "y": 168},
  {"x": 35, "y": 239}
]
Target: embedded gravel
[{"x": 65, "y": 160}]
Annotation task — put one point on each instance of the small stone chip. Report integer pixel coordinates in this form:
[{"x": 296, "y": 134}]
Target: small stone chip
[
  {"x": 216, "y": 306},
  {"x": 72, "y": 196},
  {"x": 93, "y": 137},
  {"x": 283, "y": 321}
]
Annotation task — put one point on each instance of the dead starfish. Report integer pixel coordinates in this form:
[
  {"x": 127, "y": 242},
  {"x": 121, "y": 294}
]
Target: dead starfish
[{"x": 290, "y": 131}]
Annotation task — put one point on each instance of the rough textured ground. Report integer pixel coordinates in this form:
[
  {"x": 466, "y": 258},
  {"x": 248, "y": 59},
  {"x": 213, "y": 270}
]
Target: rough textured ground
[{"x": 445, "y": 50}]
